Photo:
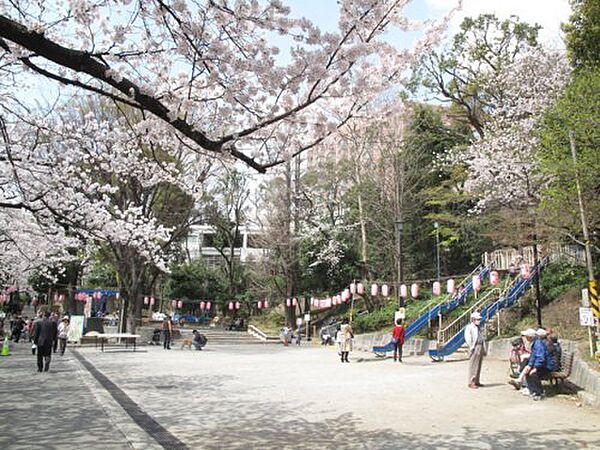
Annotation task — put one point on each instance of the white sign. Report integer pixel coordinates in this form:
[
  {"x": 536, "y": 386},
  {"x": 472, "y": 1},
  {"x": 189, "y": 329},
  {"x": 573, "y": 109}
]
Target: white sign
[
  {"x": 400, "y": 314},
  {"x": 298, "y": 321},
  {"x": 307, "y": 317},
  {"x": 586, "y": 317},
  {"x": 76, "y": 328},
  {"x": 585, "y": 298}
]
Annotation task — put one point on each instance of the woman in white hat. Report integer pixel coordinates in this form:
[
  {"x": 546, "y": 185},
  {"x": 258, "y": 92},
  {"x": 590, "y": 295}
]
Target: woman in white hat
[{"x": 476, "y": 343}]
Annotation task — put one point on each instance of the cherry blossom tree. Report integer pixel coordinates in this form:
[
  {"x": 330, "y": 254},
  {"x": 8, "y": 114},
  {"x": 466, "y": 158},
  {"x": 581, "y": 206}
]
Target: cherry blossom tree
[
  {"x": 503, "y": 166},
  {"x": 105, "y": 177},
  {"x": 208, "y": 71}
]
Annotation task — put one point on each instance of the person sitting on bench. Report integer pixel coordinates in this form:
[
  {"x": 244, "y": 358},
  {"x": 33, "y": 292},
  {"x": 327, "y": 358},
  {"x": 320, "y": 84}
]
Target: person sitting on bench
[{"x": 199, "y": 340}]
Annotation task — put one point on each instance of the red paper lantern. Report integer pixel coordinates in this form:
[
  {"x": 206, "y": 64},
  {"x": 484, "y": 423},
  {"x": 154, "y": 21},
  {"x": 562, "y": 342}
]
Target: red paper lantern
[
  {"x": 360, "y": 289},
  {"x": 494, "y": 278},
  {"x": 202, "y": 306},
  {"x": 385, "y": 290},
  {"x": 230, "y": 306},
  {"x": 374, "y": 290},
  {"x": 414, "y": 290},
  {"x": 437, "y": 288},
  {"x": 450, "y": 286}
]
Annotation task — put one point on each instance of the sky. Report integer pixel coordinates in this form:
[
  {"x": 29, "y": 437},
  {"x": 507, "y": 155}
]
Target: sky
[{"x": 547, "y": 13}]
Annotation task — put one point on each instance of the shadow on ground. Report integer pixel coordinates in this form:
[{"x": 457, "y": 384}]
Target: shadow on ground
[{"x": 53, "y": 410}]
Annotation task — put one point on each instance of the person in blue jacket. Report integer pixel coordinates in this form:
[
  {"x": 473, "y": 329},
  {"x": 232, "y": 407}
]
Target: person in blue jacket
[{"x": 541, "y": 363}]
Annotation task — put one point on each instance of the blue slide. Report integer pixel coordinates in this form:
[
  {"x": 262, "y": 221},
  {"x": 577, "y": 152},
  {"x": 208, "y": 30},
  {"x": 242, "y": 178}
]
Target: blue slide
[
  {"x": 430, "y": 314},
  {"x": 513, "y": 294}
]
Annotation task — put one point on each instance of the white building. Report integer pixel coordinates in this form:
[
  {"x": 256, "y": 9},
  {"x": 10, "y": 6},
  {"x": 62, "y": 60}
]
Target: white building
[{"x": 199, "y": 244}]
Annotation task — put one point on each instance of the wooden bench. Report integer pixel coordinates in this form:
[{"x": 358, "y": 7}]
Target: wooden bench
[{"x": 566, "y": 364}]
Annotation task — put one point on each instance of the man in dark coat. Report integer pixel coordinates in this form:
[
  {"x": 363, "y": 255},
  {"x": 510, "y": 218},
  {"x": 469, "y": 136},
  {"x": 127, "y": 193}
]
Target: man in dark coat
[{"x": 45, "y": 332}]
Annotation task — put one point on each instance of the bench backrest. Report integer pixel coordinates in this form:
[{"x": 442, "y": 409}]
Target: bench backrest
[{"x": 566, "y": 362}]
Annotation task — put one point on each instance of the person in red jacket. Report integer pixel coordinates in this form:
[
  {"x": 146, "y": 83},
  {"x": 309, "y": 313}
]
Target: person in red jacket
[{"x": 398, "y": 338}]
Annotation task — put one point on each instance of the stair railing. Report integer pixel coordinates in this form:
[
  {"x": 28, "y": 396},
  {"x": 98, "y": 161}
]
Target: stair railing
[{"x": 447, "y": 333}]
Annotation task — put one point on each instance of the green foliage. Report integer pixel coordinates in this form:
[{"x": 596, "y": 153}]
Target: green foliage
[
  {"x": 194, "y": 281},
  {"x": 483, "y": 47},
  {"x": 559, "y": 277},
  {"x": 582, "y": 33},
  {"x": 576, "y": 112}
]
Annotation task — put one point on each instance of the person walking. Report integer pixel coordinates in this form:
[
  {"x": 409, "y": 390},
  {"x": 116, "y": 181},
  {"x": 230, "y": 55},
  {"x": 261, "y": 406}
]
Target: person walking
[
  {"x": 45, "y": 332},
  {"x": 476, "y": 344},
  {"x": 167, "y": 329},
  {"x": 54, "y": 318},
  {"x": 63, "y": 334},
  {"x": 398, "y": 337},
  {"x": 346, "y": 336}
]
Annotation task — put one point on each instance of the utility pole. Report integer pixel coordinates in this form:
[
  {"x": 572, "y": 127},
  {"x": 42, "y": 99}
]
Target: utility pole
[
  {"x": 437, "y": 249},
  {"x": 593, "y": 287},
  {"x": 399, "y": 272}
]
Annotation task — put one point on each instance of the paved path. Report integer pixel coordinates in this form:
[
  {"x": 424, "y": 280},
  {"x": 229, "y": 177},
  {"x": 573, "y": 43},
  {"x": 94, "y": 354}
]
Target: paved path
[
  {"x": 271, "y": 397},
  {"x": 53, "y": 410}
]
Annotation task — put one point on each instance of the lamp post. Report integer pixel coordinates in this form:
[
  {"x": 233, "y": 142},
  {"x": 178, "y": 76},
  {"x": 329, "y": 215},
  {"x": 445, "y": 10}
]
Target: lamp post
[
  {"x": 399, "y": 273},
  {"x": 437, "y": 249}
]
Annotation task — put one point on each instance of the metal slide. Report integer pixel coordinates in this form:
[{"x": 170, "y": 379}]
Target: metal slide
[
  {"x": 427, "y": 314},
  {"x": 452, "y": 337}
]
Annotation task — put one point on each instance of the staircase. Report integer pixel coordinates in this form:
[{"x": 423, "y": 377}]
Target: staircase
[
  {"x": 449, "y": 303},
  {"x": 220, "y": 336},
  {"x": 452, "y": 337}
]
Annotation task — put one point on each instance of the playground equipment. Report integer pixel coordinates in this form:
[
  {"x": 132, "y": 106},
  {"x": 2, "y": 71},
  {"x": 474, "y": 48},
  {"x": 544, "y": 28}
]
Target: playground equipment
[
  {"x": 452, "y": 337},
  {"x": 428, "y": 313}
]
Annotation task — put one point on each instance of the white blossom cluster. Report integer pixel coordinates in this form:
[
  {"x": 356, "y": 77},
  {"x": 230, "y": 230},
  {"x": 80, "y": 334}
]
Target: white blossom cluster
[
  {"x": 213, "y": 69},
  {"x": 503, "y": 166},
  {"x": 83, "y": 181}
]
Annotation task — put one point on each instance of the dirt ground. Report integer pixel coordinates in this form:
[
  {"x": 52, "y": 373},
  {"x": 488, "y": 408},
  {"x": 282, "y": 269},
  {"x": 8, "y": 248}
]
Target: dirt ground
[{"x": 263, "y": 397}]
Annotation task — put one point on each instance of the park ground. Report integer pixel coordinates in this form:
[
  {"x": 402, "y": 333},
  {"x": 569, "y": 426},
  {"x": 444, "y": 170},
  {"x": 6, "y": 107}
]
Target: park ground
[{"x": 272, "y": 397}]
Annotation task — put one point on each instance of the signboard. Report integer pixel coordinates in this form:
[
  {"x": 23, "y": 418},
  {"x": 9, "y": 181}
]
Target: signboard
[
  {"x": 400, "y": 314},
  {"x": 586, "y": 317},
  {"x": 585, "y": 298},
  {"x": 76, "y": 328},
  {"x": 307, "y": 317}
]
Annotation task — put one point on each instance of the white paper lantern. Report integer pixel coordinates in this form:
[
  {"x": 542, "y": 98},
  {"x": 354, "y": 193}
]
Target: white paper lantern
[
  {"x": 450, "y": 286},
  {"x": 437, "y": 288},
  {"x": 494, "y": 278},
  {"x": 360, "y": 289},
  {"x": 353, "y": 288},
  {"x": 385, "y": 290},
  {"x": 146, "y": 300},
  {"x": 476, "y": 283},
  {"x": 403, "y": 291},
  {"x": 374, "y": 290},
  {"x": 414, "y": 290}
]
